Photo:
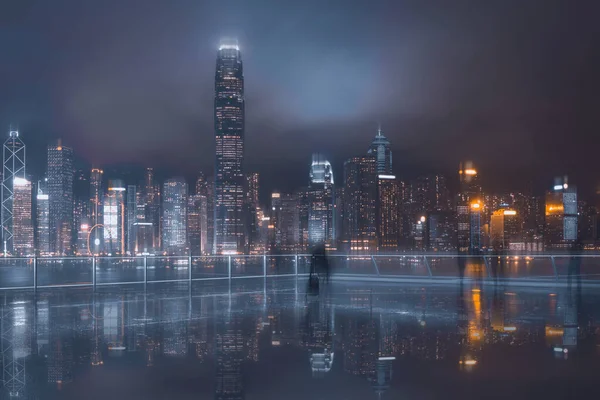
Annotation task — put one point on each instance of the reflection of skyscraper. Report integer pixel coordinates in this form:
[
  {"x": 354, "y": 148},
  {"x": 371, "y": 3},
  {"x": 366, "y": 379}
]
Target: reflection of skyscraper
[
  {"x": 13, "y": 156},
  {"x": 229, "y": 346},
  {"x": 380, "y": 150},
  {"x": 22, "y": 218},
  {"x": 229, "y": 136},
  {"x": 60, "y": 192},
  {"x": 321, "y": 227},
  {"x": 175, "y": 193},
  {"x": 360, "y": 200}
]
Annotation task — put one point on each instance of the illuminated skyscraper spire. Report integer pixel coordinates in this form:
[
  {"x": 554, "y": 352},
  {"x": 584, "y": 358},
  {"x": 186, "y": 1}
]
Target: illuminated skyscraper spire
[{"x": 380, "y": 149}]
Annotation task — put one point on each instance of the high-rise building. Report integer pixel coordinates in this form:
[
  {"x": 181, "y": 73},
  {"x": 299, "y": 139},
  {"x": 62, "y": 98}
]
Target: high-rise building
[
  {"x": 114, "y": 217},
  {"x": 13, "y": 161},
  {"x": 380, "y": 149},
  {"x": 285, "y": 221},
  {"x": 441, "y": 231},
  {"x": 321, "y": 224},
  {"x": 251, "y": 212},
  {"x": 303, "y": 206},
  {"x": 174, "y": 206},
  {"x": 229, "y": 119},
  {"x": 96, "y": 210},
  {"x": 561, "y": 216},
  {"x": 587, "y": 223},
  {"x": 360, "y": 204},
  {"x": 505, "y": 228},
  {"x": 60, "y": 193},
  {"x": 475, "y": 233},
  {"x": 197, "y": 224},
  {"x": 205, "y": 187},
  {"x": 132, "y": 218},
  {"x": 470, "y": 191},
  {"x": 152, "y": 204},
  {"x": 42, "y": 230},
  {"x": 22, "y": 218},
  {"x": 388, "y": 216}
]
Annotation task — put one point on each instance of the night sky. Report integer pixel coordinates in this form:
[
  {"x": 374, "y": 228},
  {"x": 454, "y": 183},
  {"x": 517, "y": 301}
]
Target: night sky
[{"x": 511, "y": 85}]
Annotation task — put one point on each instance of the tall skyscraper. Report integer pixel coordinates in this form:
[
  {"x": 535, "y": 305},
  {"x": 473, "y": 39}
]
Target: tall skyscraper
[
  {"x": 251, "y": 211},
  {"x": 22, "y": 218},
  {"x": 13, "y": 161},
  {"x": 96, "y": 210},
  {"x": 42, "y": 243},
  {"x": 205, "y": 187},
  {"x": 470, "y": 191},
  {"x": 360, "y": 204},
  {"x": 321, "y": 226},
  {"x": 130, "y": 221},
  {"x": 174, "y": 206},
  {"x": 388, "y": 216},
  {"x": 197, "y": 224},
  {"x": 561, "y": 216},
  {"x": 229, "y": 119},
  {"x": 285, "y": 222},
  {"x": 380, "y": 149},
  {"x": 152, "y": 204},
  {"x": 60, "y": 192},
  {"x": 114, "y": 217}
]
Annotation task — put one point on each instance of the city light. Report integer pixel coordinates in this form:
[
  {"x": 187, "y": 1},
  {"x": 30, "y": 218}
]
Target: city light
[
  {"x": 510, "y": 212},
  {"x": 470, "y": 171}
]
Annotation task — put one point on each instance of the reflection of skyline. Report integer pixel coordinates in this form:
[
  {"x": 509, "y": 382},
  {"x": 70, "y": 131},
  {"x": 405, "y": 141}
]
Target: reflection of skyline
[{"x": 366, "y": 339}]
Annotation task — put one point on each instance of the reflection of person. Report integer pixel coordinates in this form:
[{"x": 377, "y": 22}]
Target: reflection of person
[
  {"x": 575, "y": 262},
  {"x": 462, "y": 263}
]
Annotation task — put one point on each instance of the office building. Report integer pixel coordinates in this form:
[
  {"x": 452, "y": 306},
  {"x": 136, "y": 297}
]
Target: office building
[
  {"x": 151, "y": 199},
  {"x": 96, "y": 210},
  {"x": 251, "y": 211},
  {"x": 60, "y": 194},
  {"x": 131, "y": 218},
  {"x": 561, "y": 230},
  {"x": 174, "y": 220},
  {"x": 441, "y": 231},
  {"x": 360, "y": 204},
  {"x": 476, "y": 210},
  {"x": 302, "y": 196},
  {"x": 388, "y": 213},
  {"x": 285, "y": 221},
  {"x": 22, "y": 218},
  {"x": 13, "y": 161},
  {"x": 321, "y": 225},
  {"x": 381, "y": 151},
  {"x": 114, "y": 218},
  {"x": 197, "y": 224},
  {"x": 205, "y": 187},
  {"x": 229, "y": 118},
  {"x": 505, "y": 228},
  {"x": 42, "y": 231},
  {"x": 469, "y": 192}
]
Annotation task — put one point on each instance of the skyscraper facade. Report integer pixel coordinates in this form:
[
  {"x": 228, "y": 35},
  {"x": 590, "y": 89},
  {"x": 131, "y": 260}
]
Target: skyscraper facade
[
  {"x": 229, "y": 120},
  {"x": 131, "y": 218},
  {"x": 321, "y": 226},
  {"x": 388, "y": 215},
  {"x": 197, "y": 224},
  {"x": 561, "y": 230},
  {"x": 13, "y": 161},
  {"x": 22, "y": 218},
  {"x": 60, "y": 194},
  {"x": 114, "y": 218},
  {"x": 42, "y": 230},
  {"x": 174, "y": 211},
  {"x": 360, "y": 204},
  {"x": 381, "y": 151},
  {"x": 96, "y": 210}
]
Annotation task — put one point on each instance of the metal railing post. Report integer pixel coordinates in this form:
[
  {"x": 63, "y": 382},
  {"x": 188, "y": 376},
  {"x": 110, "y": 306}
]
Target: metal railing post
[
  {"x": 487, "y": 267},
  {"x": 145, "y": 271},
  {"x": 554, "y": 267},
  {"x": 94, "y": 272},
  {"x": 264, "y": 267},
  {"x": 375, "y": 264},
  {"x": 427, "y": 265},
  {"x": 229, "y": 268},
  {"x": 190, "y": 268},
  {"x": 296, "y": 265},
  {"x": 34, "y": 273}
]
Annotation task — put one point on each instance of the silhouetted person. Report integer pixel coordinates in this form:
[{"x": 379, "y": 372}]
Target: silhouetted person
[
  {"x": 319, "y": 264},
  {"x": 575, "y": 261},
  {"x": 462, "y": 263}
]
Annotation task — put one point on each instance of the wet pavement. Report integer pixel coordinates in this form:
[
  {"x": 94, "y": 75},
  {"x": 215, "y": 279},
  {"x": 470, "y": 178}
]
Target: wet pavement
[{"x": 352, "y": 341}]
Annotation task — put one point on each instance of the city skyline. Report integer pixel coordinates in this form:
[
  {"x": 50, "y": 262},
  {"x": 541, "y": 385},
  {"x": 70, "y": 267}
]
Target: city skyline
[{"x": 507, "y": 88}]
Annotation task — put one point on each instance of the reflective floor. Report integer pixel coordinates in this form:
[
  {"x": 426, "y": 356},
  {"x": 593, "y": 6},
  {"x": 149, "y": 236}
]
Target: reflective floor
[{"x": 351, "y": 341}]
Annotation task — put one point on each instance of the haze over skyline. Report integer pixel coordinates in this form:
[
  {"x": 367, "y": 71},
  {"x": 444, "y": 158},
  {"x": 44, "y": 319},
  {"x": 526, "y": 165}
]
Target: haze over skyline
[{"x": 510, "y": 85}]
